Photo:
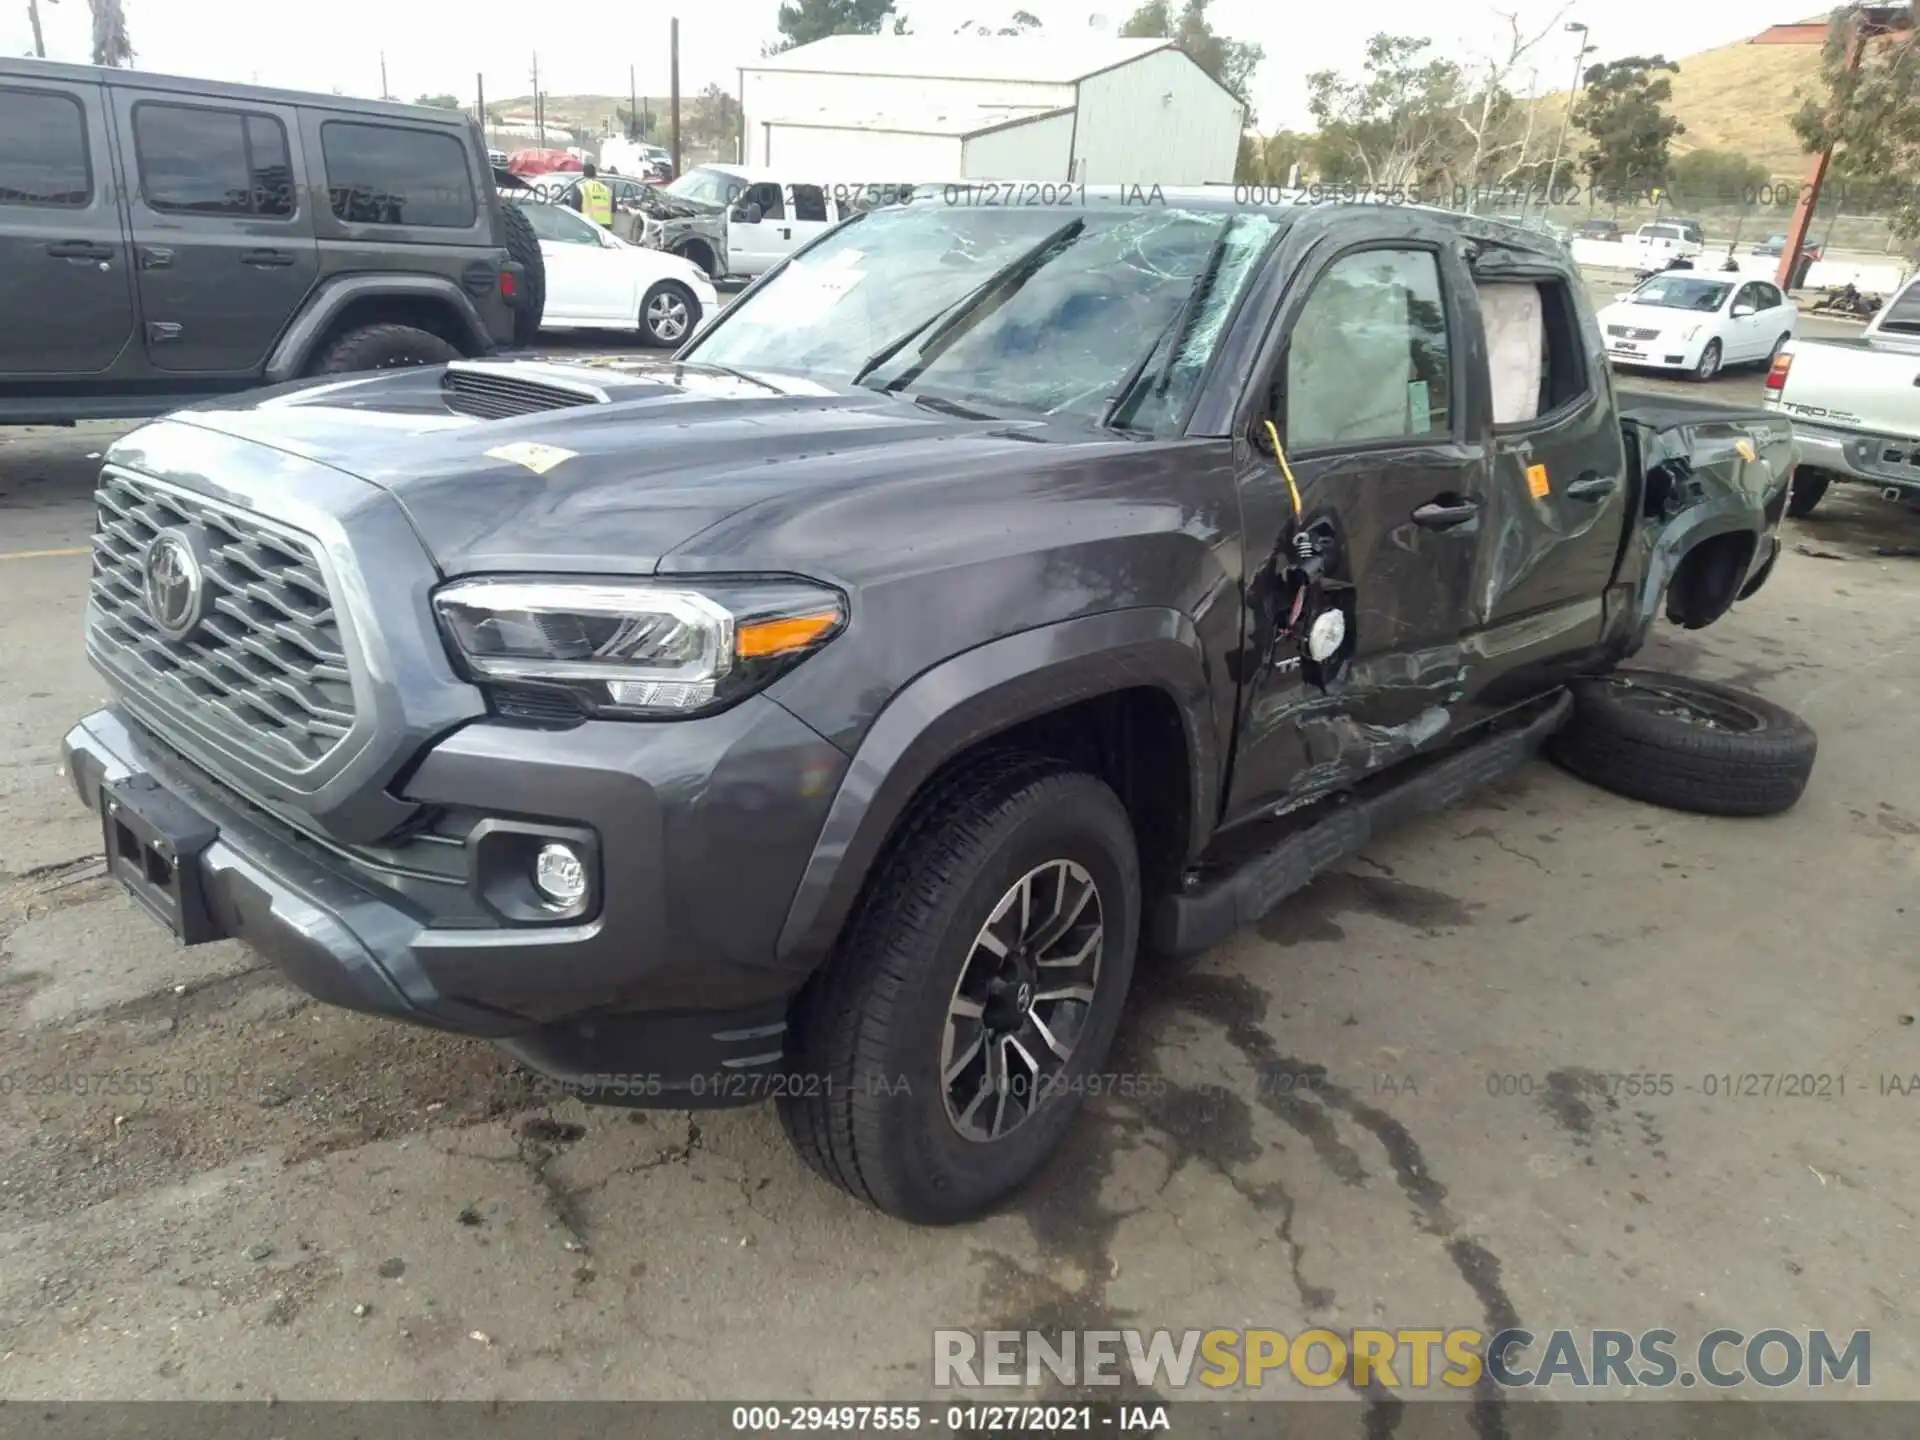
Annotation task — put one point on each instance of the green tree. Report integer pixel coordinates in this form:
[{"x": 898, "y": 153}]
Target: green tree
[
  {"x": 1231, "y": 62},
  {"x": 110, "y": 43},
  {"x": 711, "y": 119},
  {"x": 1394, "y": 126},
  {"x": 802, "y": 22},
  {"x": 1623, "y": 112},
  {"x": 625, "y": 123},
  {"x": 439, "y": 102},
  {"x": 1715, "y": 177},
  {"x": 1871, "y": 116},
  {"x": 1269, "y": 159}
]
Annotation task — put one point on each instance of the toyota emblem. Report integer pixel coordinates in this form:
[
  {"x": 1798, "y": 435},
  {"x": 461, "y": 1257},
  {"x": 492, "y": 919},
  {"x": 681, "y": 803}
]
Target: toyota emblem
[{"x": 176, "y": 584}]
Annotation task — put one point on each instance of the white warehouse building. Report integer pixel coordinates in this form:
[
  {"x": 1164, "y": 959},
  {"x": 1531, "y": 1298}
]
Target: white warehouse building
[{"x": 872, "y": 109}]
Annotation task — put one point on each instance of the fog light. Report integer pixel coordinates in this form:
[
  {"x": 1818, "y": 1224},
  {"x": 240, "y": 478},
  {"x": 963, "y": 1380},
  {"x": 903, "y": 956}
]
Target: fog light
[{"x": 560, "y": 875}]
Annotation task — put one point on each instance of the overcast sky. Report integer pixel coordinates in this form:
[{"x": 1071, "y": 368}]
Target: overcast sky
[{"x": 587, "y": 45}]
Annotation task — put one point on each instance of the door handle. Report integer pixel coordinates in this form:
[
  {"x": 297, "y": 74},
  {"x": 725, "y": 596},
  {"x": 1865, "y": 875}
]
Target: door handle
[
  {"x": 79, "y": 250},
  {"x": 155, "y": 257},
  {"x": 1592, "y": 488},
  {"x": 1445, "y": 513},
  {"x": 266, "y": 259},
  {"x": 786, "y": 232}
]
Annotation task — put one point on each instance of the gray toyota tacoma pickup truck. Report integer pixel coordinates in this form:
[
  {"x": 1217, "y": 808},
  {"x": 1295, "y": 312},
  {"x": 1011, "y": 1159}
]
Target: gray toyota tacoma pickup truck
[{"x": 831, "y": 712}]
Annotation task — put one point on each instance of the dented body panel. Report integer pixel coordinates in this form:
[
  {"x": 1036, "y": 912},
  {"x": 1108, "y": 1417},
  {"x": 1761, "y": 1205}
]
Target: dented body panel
[{"x": 1330, "y": 559}]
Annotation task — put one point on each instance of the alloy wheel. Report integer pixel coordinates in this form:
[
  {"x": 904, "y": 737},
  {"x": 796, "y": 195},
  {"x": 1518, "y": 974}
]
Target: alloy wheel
[
  {"x": 667, "y": 316},
  {"x": 1022, "y": 1000}
]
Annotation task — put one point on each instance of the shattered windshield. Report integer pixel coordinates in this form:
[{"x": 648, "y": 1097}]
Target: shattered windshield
[
  {"x": 1034, "y": 308},
  {"x": 1675, "y": 294},
  {"x": 706, "y": 187}
]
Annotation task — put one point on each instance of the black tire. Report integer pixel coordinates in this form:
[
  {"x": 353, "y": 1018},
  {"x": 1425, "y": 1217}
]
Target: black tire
[
  {"x": 1709, "y": 366},
  {"x": 1774, "y": 354},
  {"x": 1736, "y": 754},
  {"x": 668, "y": 314},
  {"x": 868, "y": 1107},
  {"x": 701, "y": 254},
  {"x": 1808, "y": 488},
  {"x": 383, "y": 347},
  {"x": 523, "y": 245}
]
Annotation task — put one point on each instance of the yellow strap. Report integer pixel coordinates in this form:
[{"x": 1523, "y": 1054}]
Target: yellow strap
[{"x": 1280, "y": 454}]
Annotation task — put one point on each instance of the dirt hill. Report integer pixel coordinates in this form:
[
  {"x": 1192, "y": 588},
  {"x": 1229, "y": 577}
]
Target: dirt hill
[{"x": 1741, "y": 98}]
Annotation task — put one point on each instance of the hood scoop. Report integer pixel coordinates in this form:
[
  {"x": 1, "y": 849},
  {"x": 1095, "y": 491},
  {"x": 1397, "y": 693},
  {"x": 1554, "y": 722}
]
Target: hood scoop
[{"x": 492, "y": 391}]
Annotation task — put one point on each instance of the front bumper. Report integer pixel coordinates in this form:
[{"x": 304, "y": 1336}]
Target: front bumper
[
  {"x": 702, "y": 830},
  {"x": 1884, "y": 462},
  {"x": 1665, "y": 353}
]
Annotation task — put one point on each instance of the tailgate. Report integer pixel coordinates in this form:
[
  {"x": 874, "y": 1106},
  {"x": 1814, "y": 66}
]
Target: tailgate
[{"x": 1855, "y": 385}]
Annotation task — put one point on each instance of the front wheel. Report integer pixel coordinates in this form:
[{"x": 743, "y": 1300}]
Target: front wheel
[
  {"x": 1709, "y": 365},
  {"x": 941, "y": 1055},
  {"x": 668, "y": 314}
]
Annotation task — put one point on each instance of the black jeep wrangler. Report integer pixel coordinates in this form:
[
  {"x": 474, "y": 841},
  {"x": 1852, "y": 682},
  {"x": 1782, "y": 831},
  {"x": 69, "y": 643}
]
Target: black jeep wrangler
[
  {"x": 831, "y": 712},
  {"x": 163, "y": 239}
]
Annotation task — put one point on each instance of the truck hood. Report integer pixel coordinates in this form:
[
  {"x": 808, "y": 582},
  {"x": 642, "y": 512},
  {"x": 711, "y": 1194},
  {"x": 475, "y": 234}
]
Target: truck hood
[{"x": 662, "y": 451}]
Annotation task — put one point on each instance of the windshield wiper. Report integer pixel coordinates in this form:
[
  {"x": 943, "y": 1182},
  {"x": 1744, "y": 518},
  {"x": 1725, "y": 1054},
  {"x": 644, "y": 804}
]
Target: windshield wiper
[
  {"x": 1006, "y": 280},
  {"x": 1177, "y": 327}
]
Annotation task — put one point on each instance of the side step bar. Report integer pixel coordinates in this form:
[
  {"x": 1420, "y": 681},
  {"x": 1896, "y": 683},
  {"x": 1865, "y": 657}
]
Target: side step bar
[{"x": 1209, "y": 913}]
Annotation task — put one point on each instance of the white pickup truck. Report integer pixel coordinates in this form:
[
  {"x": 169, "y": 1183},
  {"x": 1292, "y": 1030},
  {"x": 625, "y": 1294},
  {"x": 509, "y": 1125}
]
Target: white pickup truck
[{"x": 1855, "y": 406}]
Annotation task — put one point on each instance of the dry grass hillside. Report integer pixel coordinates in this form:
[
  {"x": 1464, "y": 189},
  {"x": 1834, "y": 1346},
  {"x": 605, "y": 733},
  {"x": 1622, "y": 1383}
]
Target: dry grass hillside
[{"x": 1741, "y": 98}]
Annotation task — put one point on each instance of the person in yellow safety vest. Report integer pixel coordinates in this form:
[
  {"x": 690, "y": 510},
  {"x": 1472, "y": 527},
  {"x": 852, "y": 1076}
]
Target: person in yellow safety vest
[{"x": 593, "y": 197}]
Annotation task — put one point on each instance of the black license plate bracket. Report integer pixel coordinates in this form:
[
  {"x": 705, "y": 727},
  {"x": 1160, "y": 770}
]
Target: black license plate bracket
[{"x": 153, "y": 843}]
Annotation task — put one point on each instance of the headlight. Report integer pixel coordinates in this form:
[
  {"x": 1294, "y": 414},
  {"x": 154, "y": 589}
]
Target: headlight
[{"x": 633, "y": 649}]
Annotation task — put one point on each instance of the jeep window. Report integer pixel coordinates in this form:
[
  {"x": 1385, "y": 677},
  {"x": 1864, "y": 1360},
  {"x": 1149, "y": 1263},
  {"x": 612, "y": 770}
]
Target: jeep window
[
  {"x": 1671, "y": 292},
  {"x": 43, "y": 149},
  {"x": 212, "y": 162},
  {"x": 397, "y": 175},
  {"x": 1368, "y": 358},
  {"x": 1062, "y": 342},
  {"x": 706, "y": 186}
]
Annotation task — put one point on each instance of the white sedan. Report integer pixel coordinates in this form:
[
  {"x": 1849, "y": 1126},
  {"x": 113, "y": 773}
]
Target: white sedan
[
  {"x": 1699, "y": 323},
  {"x": 597, "y": 281}
]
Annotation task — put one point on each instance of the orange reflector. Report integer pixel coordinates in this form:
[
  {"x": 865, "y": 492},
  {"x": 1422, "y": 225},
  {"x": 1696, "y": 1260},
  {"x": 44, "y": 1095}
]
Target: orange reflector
[{"x": 761, "y": 638}]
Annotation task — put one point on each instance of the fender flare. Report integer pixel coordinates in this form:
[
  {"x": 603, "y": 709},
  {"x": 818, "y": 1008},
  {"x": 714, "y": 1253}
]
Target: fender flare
[
  {"x": 1728, "y": 515},
  {"x": 972, "y": 697},
  {"x": 295, "y": 348}
]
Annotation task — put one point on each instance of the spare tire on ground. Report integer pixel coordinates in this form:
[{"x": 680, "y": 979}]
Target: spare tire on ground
[
  {"x": 1686, "y": 744},
  {"x": 523, "y": 245}
]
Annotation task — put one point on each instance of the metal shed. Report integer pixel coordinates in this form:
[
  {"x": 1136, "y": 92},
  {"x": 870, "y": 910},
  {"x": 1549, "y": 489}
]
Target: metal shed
[{"x": 887, "y": 109}]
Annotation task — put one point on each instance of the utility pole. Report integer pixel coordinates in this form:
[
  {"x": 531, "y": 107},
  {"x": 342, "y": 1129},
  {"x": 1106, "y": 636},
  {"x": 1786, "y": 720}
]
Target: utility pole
[
  {"x": 385, "y": 94},
  {"x": 539, "y": 117},
  {"x": 633, "y": 105},
  {"x": 39, "y": 40},
  {"x": 480, "y": 100},
  {"x": 673, "y": 52},
  {"x": 1574, "y": 27}
]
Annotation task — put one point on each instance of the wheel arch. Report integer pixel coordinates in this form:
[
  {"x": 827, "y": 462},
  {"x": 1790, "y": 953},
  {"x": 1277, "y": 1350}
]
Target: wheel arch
[
  {"x": 1112, "y": 693},
  {"x": 426, "y": 302}
]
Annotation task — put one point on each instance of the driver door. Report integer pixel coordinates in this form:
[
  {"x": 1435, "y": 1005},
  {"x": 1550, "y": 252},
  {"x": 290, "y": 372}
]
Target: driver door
[
  {"x": 1369, "y": 395},
  {"x": 757, "y": 245}
]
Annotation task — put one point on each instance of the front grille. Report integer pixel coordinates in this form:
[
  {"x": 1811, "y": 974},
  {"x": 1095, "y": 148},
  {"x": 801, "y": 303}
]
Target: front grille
[
  {"x": 266, "y": 668},
  {"x": 495, "y": 394},
  {"x": 1627, "y": 332}
]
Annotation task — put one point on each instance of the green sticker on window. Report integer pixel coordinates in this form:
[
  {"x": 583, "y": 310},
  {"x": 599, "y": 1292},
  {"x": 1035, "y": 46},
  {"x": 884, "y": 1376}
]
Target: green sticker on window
[{"x": 1419, "y": 407}]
